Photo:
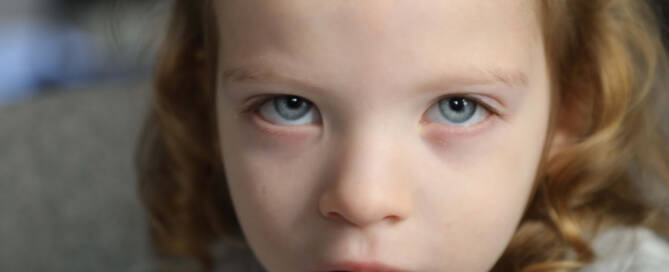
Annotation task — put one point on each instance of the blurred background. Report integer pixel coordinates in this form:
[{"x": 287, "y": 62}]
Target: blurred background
[
  {"x": 49, "y": 44},
  {"x": 74, "y": 82}
]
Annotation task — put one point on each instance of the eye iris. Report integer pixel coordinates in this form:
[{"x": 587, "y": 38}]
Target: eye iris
[
  {"x": 291, "y": 107},
  {"x": 457, "y": 109}
]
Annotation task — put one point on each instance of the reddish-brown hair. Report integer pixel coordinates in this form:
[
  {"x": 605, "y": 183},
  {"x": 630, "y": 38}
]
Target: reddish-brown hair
[{"x": 607, "y": 69}]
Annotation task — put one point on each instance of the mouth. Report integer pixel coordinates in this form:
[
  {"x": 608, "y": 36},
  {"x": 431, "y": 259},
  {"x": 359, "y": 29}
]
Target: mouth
[{"x": 359, "y": 267}]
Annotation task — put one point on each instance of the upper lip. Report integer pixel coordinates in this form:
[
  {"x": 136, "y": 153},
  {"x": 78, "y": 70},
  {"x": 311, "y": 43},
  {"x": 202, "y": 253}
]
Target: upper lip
[{"x": 352, "y": 266}]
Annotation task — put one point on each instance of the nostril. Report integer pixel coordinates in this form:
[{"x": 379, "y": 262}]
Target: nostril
[{"x": 334, "y": 215}]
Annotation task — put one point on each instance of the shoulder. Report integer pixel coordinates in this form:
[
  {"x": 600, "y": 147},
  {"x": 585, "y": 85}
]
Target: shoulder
[{"x": 629, "y": 249}]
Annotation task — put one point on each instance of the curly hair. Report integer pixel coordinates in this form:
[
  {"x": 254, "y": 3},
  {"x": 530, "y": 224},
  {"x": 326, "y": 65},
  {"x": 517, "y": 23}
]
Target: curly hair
[{"x": 607, "y": 66}]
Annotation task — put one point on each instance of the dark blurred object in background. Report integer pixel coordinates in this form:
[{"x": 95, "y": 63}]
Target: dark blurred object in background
[
  {"x": 72, "y": 9},
  {"x": 663, "y": 12},
  {"x": 69, "y": 9}
]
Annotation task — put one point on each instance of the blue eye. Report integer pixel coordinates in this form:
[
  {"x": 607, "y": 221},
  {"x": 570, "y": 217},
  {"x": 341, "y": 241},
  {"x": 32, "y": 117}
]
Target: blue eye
[
  {"x": 289, "y": 110},
  {"x": 457, "y": 111}
]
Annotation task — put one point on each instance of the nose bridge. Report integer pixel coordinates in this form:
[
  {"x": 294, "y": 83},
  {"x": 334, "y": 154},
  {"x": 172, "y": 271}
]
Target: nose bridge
[
  {"x": 369, "y": 184},
  {"x": 367, "y": 147}
]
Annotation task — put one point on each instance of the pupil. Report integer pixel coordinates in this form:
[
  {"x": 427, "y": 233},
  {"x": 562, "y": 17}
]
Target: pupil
[
  {"x": 457, "y": 104},
  {"x": 294, "y": 102}
]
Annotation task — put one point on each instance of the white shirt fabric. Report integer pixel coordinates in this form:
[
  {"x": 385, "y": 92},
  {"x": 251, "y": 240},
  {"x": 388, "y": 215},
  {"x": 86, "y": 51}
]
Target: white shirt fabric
[{"x": 630, "y": 250}]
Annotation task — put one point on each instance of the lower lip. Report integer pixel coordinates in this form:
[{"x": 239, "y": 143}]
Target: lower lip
[
  {"x": 361, "y": 270},
  {"x": 359, "y": 267}
]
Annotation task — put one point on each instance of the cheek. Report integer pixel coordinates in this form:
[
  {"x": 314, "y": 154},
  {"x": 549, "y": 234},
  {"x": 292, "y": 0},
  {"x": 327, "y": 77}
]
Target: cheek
[
  {"x": 477, "y": 211},
  {"x": 270, "y": 186},
  {"x": 270, "y": 176},
  {"x": 483, "y": 185},
  {"x": 268, "y": 202},
  {"x": 264, "y": 187},
  {"x": 487, "y": 224}
]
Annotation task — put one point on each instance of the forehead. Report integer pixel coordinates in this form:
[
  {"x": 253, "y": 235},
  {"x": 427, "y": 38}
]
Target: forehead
[{"x": 366, "y": 37}]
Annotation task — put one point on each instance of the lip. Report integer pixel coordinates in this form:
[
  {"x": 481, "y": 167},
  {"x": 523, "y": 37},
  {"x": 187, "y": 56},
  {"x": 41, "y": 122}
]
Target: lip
[{"x": 351, "y": 266}]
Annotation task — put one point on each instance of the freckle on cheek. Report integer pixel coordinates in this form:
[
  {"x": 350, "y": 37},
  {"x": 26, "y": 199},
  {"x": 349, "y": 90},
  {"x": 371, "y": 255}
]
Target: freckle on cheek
[
  {"x": 448, "y": 225},
  {"x": 263, "y": 191}
]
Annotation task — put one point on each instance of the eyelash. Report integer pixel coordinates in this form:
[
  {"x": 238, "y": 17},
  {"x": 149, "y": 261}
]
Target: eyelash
[{"x": 254, "y": 103}]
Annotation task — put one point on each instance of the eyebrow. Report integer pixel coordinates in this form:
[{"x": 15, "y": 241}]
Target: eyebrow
[
  {"x": 479, "y": 76},
  {"x": 511, "y": 78}
]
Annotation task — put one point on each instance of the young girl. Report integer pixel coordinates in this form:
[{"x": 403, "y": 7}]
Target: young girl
[{"x": 435, "y": 135}]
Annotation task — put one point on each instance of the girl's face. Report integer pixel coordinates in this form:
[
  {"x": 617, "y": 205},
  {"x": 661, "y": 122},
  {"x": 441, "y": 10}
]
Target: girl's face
[{"x": 406, "y": 133}]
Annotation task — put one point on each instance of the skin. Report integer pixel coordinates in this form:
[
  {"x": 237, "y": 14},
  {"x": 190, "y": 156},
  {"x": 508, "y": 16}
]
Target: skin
[{"x": 375, "y": 178}]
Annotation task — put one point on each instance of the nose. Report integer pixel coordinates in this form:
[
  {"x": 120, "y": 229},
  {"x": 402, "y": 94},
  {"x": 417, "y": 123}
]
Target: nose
[{"x": 371, "y": 182}]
